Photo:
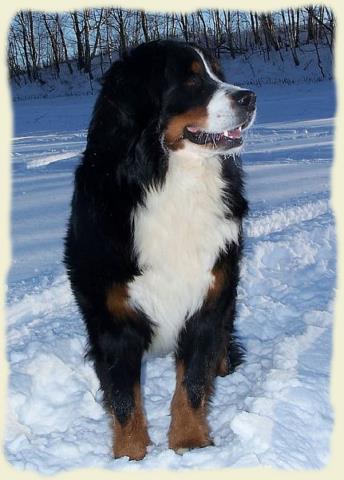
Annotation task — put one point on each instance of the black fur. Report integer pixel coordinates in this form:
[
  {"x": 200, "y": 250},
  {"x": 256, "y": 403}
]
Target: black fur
[{"x": 124, "y": 155}]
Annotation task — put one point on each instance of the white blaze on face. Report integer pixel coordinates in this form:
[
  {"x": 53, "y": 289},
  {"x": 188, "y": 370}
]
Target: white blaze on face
[{"x": 221, "y": 114}]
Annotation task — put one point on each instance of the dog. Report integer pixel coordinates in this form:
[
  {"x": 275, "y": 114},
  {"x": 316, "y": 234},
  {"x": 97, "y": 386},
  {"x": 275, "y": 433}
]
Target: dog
[{"x": 154, "y": 239}]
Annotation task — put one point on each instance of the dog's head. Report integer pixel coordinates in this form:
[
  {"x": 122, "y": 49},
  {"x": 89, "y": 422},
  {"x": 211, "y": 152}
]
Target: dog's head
[
  {"x": 201, "y": 110},
  {"x": 169, "y": 95}
]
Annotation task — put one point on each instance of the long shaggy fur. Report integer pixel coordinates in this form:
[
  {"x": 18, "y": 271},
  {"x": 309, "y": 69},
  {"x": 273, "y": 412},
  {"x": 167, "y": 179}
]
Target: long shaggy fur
[{"x": 154, "y": 238}]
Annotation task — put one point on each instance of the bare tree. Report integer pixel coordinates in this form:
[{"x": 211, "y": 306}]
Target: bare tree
[
  {"x": 63, "y": 42},
  {"x": 229, "y": 33},
  {"x": 183, "y": 22},
  {"x": 204, "y": 28},
  {"x": 52, "y": 33},
  {"x": 86, "y": 41},
  {"x": 291, "y": 40},
  {"x": 40, "y": 39},
  {"x": 269, "y": 29},
  {"x": 144, "y": 25},
  {"x": 121, "y": 18},
  {"x": 79, "y": 41},
  {"x": 217, "y": 32},
  {"x": 255, "y": 28},
  {"x": 97, "y": 19},
  {"x": 25, "y": 20},
  {"x": 310, "y": 24}
]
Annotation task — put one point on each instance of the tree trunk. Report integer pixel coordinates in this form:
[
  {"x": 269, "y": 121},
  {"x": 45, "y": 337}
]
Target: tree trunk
[
  {"x": 269, "y": 30},
  {"x": 64, "y": 46},
  {"x": 229, "y": 34},
  {"x": 310, "y": 25},
  {"x": 290, "y": 40},
  {"x": 32, "y": 45},
  {"x": 98, "y": 24},
  {"x": 254, "y": 28},
  {"x": 87, "y": 50},
  {"x": 118, "y": 15},
  {"x": 217, "y": 29},
  {"x": 25, "y": 46},
  {"x": 184, "y": 26},
  {"x": 143, "y": 17},
  {"x": 54, "y": 46},
  {"x": 205, "y": 34},
  {"x": 80, "y": 48}
]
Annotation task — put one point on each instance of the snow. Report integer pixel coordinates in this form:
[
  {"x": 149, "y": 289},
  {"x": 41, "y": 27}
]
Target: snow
[{"x": 275, "y": 409}]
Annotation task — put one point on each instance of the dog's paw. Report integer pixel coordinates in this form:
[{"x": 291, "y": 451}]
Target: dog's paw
[
  {"x": 186, "y": 445},
  {"x": 131, "y": 442},
  {"x": 182, "y": 440},
  {"x": 135, "y": 449}
]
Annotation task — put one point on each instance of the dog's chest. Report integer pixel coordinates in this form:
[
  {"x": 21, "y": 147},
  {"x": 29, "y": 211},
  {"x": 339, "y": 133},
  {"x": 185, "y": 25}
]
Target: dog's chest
[{"x": 178, "y": 235}]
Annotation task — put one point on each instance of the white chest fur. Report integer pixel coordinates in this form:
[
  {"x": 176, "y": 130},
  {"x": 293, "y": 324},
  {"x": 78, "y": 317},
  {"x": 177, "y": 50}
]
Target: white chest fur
[{"x": 178, "y": 235}]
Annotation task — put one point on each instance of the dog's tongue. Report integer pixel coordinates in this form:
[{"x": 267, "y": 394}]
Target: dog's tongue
[{"x": 233, "y": 133}]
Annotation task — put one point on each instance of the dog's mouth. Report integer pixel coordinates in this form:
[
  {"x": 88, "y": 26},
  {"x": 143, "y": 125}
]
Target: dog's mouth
[{"x": 224, "y": 140}]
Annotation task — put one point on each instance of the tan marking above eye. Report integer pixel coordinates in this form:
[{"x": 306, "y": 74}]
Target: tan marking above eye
[
  {"x": 215, "y": 66},
  {"x": 196, "y": 67}
]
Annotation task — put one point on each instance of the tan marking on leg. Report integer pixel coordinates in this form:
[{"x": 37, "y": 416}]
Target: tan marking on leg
[
  {"x": 217, "y": 285},
  {"x": 189, "y": 428},
  {"x": 131, "y": 439},
  {"x": 174, "y": 131},
  {"x": 117, "y": 301}
]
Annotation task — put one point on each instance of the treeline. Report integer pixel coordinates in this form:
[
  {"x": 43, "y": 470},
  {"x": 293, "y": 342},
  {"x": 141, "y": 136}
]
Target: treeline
[{"x": 38, "y": 39}]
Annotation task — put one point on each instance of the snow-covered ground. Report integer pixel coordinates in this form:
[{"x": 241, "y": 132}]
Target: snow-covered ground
[{"x": 275, "y": 409}]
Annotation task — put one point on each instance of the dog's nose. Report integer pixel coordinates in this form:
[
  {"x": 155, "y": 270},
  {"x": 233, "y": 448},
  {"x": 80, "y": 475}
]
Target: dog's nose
[{"x": 245, "y": 98}]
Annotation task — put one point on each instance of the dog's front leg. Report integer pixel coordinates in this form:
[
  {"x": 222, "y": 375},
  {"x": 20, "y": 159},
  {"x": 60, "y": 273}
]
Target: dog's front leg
[
  {"x": 118, "y": 365},
  {"x": 189, "y": 428},
  {"x": 199, "y": 351}
]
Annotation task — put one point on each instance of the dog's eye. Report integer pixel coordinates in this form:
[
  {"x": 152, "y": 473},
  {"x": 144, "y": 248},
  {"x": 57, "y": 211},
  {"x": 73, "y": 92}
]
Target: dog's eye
[{"x": 193, "y": 81}]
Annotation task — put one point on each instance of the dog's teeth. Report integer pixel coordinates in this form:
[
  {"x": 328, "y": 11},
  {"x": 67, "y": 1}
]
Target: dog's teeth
[{"x": 225, "y": 133}]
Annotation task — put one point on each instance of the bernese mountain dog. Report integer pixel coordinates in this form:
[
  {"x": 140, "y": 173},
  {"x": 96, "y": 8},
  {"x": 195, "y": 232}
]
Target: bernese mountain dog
[{"x": 154, "y": 238}]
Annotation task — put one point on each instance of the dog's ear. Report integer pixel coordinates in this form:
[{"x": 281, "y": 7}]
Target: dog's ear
[
  {"x": 123, "y": 130},
  {"x": 129, "y": 100},
  {"x": 118, "y": 102}
]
